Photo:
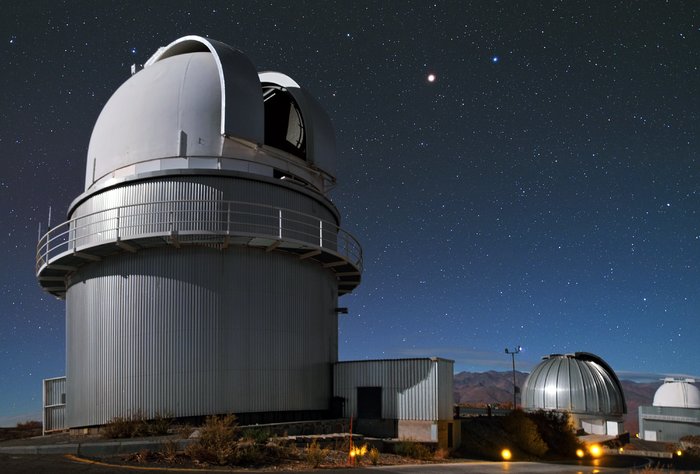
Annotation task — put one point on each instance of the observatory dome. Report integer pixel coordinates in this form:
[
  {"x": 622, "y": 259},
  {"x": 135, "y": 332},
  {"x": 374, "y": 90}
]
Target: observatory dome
[
  {"x": 678, "y": 394},
  {"x": 579, "y": 383},
  {"x": 203, "y": 263},
  {"x": 201, "y": 104}
]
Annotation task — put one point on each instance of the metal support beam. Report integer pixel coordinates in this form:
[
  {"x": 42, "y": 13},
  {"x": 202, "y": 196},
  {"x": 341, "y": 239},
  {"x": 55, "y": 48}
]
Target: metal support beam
[
  {"x": 51, "y": 278},
  {"x": 128, "y": 247},
  {"x": 306, "y": 255},
  {"x": 65, "y": 268},
  {"x": 173, "y": 240},
  {"x": 87, "y": 256},
  {"x": 335, "y": 264},
  {"x": 273, "y": 246}
]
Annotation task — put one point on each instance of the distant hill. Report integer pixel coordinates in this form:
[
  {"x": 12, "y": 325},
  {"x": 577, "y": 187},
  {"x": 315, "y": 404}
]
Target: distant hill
[{"x": 496, "y": 388}]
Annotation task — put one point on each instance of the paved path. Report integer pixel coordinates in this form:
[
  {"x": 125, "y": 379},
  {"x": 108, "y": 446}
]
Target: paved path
[{"x": 62, "y": 464}]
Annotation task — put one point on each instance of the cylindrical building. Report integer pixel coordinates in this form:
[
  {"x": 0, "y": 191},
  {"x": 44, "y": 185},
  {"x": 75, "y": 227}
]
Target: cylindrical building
[{"x": 202, "y": 265}]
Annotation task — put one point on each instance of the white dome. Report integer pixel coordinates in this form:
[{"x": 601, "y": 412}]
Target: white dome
[
  {"x": 144, "y": 118},
  {"x": 200, "y": 104},
  {"x": 678, "y": 394}
]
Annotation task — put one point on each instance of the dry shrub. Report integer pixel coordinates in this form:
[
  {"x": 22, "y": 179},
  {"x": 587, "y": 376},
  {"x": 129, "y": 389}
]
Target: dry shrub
[
  {"x": 142, "y": 456},
  {"x": 218, "y": 436},
  {"x": 523, "y": 431},
  {"x": 413, "y": 449},
  {"x": 199, "y": 454},
  {"x": 160, "y": 425},
  {"x": 257, "y": 435},
  {"x": 119, "y": 427},
  {"x": 315, "y": 455},
  {"x": 220, "y": 442},
  {"x": 373, "y": 456},
  {"x": 441, "y": 454},
  {"x": 557, "y": 431},
  {"x": 169, "y": 451},
  {"x": 136, "y": 425},
  {"x": 247, "y": 452},
  {"x": 184, "y": 431}
]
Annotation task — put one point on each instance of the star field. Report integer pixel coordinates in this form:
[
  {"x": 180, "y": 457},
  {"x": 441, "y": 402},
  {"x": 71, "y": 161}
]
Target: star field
[{"x": 541, "y": 191}]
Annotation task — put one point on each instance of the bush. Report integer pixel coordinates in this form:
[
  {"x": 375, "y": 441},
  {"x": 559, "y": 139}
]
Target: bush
[
  {"x": 160, "y": 425},
  {"x": 119, "y": 427},
  {"x": 523, "y": 432},
  {"x": 143, "y": 456},
  {"x": 315, "y": 454},
  {"x": 222, "y": 442},
  {"x": 413, "y": 449},
  {"x": 257, "y": 435},
  {"x": 557, "y": 432},
  {"x": 441, "y": 454},
  {"x": 136, "y": 425},
  {"x": 218, "y": 437},
  {"x": 168, "y": 451},
  {"x": 374, "y": 456},
  {"x": 200, "y": 454}
]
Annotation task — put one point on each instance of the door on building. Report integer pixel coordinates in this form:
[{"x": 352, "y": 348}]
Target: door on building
[{"x": 369, "y": 402}]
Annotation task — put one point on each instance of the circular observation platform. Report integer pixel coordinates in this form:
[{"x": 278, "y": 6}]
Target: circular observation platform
[{"x": 217, "y": 224}]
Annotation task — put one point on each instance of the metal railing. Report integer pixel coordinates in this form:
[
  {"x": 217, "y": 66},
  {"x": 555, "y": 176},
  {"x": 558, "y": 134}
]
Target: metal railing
[{"x": 196, "y": 221}]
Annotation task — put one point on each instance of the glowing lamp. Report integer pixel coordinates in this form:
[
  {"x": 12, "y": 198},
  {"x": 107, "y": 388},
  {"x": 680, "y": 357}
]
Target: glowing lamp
[{"x": 596, "y": 451}]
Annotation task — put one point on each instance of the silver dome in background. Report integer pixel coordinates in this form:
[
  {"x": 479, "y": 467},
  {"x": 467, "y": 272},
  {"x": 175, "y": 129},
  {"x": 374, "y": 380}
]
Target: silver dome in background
[{"x": 579, "y": 383}]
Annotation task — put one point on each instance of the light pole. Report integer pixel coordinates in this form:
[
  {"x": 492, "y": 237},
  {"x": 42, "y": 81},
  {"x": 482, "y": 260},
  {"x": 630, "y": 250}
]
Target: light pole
[{"x": 512, "y": 355}]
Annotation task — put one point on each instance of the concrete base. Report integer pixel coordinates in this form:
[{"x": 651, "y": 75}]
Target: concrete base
[
  {"x": 446, "y": 433},
  {"x": 376, "y": 428}
]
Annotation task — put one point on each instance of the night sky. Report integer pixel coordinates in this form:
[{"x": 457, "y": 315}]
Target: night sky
[{"x": 540, "y": 189}]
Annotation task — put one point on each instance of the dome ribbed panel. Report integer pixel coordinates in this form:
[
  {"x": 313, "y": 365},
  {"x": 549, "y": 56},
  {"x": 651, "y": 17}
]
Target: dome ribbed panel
[{"x": 563, "y": 382}]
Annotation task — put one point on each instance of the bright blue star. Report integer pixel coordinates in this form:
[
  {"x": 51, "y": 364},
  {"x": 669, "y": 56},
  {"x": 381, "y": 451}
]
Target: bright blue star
[
  {"x": 133, "y": 50},
  {"x": 495, "y": 59}
]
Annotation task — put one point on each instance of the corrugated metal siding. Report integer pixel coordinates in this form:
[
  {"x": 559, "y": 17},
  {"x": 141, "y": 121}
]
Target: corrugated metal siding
[
  {"x": 202, "y": 203},
  {"x": 671, "y": 423},
  {"x": 205, "y": 188},
  {"x": 54, "y": 404},
  {"x": 412, "y": 389},
  {"x": 195, "y": 331}
]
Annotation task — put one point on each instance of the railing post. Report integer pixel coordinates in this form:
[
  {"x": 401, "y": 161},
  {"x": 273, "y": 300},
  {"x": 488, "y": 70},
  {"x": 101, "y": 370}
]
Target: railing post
[
  {"x": 279, "y": 223},
  {"x": 228, "y": 217},
  {"x": 119, "y": 209},
  {"x": 320, "y": 233},
  {"x": 46, "y": 246}
]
